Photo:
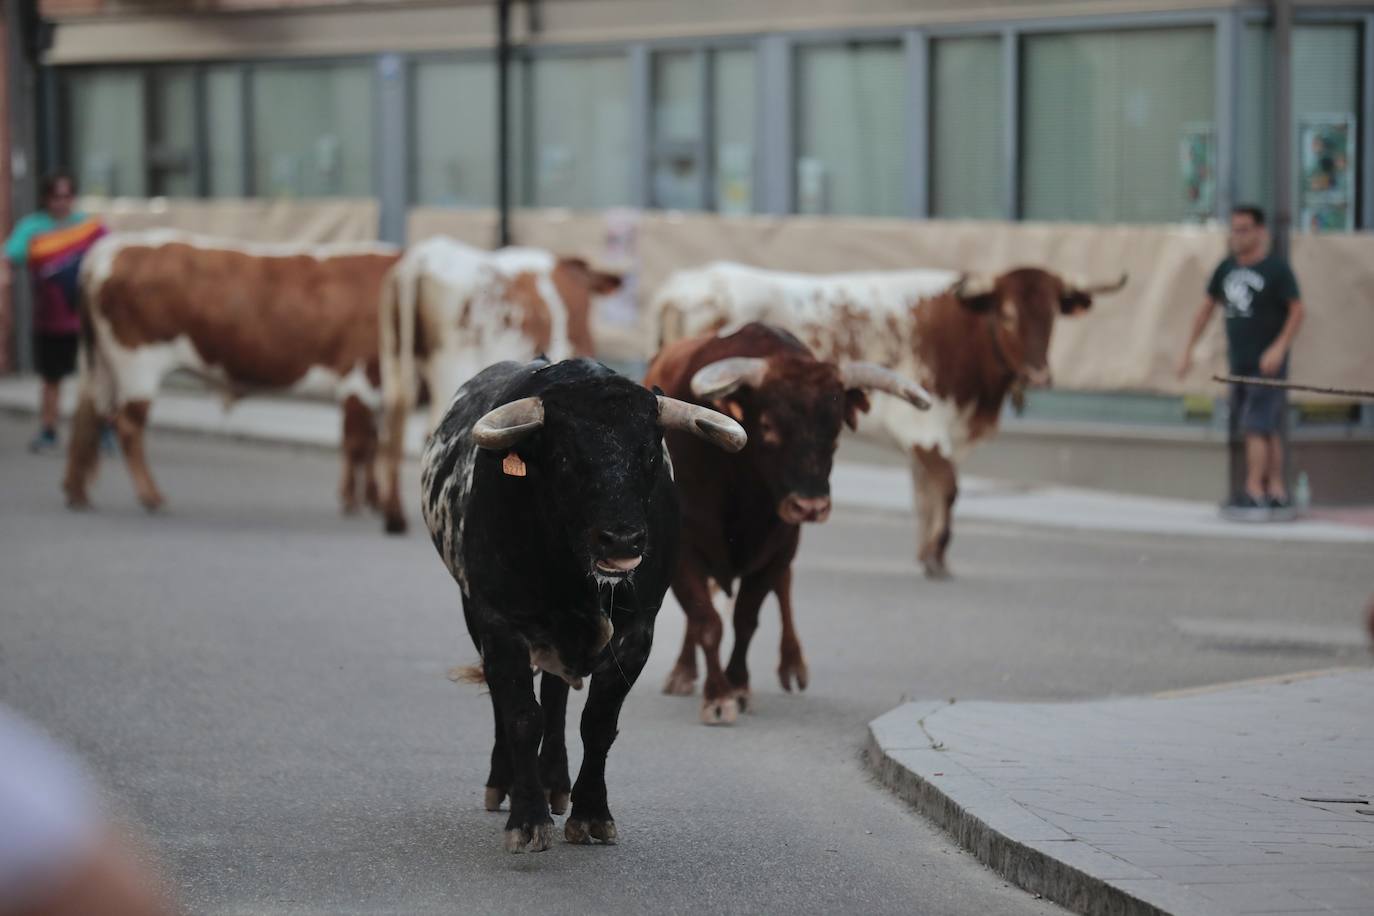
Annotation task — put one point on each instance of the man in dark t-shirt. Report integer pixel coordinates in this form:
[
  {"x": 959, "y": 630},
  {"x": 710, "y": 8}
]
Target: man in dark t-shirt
[{"x": 1263, "y": 314}]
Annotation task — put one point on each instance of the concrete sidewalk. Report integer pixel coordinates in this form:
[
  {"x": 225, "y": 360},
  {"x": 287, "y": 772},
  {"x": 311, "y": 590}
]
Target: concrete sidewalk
[
  {"x": 881, "y": 487},
  {"x": 1253, "y": 798}
]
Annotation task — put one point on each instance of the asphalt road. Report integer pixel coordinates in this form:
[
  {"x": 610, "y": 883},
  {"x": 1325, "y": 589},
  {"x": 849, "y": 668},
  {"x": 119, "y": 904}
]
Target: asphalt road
[{"x": 259, "y": 684}]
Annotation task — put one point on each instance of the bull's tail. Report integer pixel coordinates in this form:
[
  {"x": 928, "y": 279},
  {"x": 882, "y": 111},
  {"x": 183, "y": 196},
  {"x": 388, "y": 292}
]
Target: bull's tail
[
  {"x": 94, "y": 402},
  {"x": 468, "y": 674},
  {"x": 397, "y": 314}
]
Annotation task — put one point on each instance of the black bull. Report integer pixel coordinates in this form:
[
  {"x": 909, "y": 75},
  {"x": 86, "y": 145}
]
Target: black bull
[{"x": 547, "y": 495}]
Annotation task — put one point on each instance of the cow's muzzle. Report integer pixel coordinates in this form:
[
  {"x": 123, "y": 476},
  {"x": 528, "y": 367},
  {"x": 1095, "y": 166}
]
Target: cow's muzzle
[
  {"x": 1039, "y": 377},
  {"x": 619, "y": 551},
  {"x": 797, "y": 510}
]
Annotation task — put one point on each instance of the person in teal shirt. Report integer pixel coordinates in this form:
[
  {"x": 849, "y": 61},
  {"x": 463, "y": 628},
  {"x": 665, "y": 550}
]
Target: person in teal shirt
[
  {"x": 1263, "y": 313},
  {"x": 50, "y": 243}
]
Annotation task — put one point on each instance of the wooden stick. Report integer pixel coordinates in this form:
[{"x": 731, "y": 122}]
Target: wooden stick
[{"x": 1295, "y": 386}]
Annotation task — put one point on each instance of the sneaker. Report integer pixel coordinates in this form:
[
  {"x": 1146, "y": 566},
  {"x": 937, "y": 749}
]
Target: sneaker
[
  {"x": 1273, "y": 502},
  {"x": 44, "y": 442},
  {"x": 1246, "y": 501}
]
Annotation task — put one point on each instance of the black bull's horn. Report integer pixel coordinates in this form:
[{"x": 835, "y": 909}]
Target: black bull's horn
[
  {"x": 504, "y": 426},
  {"x": 724, "y": 376}
]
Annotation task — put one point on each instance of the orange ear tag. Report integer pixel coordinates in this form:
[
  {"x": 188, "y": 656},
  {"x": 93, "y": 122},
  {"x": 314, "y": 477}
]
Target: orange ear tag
[{"x": 512, "y": 466}]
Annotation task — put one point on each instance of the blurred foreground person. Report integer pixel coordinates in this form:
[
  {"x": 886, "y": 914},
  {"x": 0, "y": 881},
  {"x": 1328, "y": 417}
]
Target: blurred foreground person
[{"x": 58, "y": 856}]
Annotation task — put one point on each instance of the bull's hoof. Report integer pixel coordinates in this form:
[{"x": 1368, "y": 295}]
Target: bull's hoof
[
  {"x": 744, "y": 699},
  {"x": 493, "y": 798},
  {"x": 558, "y": 801},
  {"x": 936, "y": 571},
  {"x": 395, "y": 524},
  {"x": 530, "y": 838},
  {"x": 78, "y": 502},
  {"x": 584, "y": 832},
  {"x": 793, "y": 673},
  {"x": 682, "y": 682},
  {"x": 349, "y": 508},
  {"x": 723, "y": 711},
  {"x": 153, "y": 502}
]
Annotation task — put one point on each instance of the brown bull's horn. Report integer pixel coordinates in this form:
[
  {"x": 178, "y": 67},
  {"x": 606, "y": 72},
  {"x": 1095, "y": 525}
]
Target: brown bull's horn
[
  {"x": 1101, "y": 289},
  {"x": 874, "y": 377},
  {"x": 717, "y": 379},
  {"x": 969, "y": 286},
  {"x": 506, "y": 425},
  {"x": 716, "y": 428}
]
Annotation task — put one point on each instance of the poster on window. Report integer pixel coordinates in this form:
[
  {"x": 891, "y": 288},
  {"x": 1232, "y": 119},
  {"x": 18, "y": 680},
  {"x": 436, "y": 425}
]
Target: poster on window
[
  {"x": 1326, "y": 185},
  {"x": 1197, "y": 158}
]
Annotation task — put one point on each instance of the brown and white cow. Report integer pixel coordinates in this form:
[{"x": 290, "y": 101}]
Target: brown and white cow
[
  {"x": 450, "y": 310},
  {"x": 741, "y": 514},
  {"x": 970, "y": 342},
  {"x": 247, "y": 317}
]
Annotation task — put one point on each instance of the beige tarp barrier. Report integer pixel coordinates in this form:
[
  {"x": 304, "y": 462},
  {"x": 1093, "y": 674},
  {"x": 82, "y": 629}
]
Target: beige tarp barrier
[
  {"x": 308, "y": 222},
  {"x": 1128, "y": 341}
]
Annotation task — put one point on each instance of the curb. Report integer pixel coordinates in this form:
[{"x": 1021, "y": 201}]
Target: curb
[{"x": 1025, "y": 866}]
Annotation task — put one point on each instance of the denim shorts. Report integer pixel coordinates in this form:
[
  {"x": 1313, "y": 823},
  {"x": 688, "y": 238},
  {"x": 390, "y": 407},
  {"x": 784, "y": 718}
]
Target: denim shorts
[{"x": 1258, "y": 409}]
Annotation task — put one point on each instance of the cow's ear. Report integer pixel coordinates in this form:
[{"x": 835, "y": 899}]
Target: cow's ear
[
  {"x": 981, "y": 303},
  {"x": 603, "y": 282},
  {"x": 731, "y": 408},
  {"x": 855, "y": 402}
]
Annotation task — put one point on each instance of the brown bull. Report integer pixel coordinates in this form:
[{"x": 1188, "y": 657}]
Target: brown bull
[{"x": 741, "y": 514}]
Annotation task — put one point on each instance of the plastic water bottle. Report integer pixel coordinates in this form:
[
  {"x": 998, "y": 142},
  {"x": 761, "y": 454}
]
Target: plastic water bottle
[{"x": 1302, "y": 493}]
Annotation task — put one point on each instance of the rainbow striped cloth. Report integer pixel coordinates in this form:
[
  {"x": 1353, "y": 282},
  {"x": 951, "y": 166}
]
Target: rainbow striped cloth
[{"x": 54, "y": 261}]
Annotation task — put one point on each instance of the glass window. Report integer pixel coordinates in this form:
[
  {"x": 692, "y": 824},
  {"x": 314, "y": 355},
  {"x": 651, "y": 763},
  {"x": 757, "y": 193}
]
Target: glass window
[
  {"x": 106, "y": 131},
  {"x": 677, "y": 123},
  {"x": 851, "y": 137},
  {"x": 1118, "y": 126},
  {"x": 967, "y": 144},
  {"x": 1255, "y": 127},
  {"x": 172, "y": 153},
  {"x": 1326, "y": 103},
  {"x": 680, "y": 178},
  {"x": 224, "y": 131},
  {"x": 312, "y": 130},
  {"x": 455, "y": 133},
  {"x": 732, "y": 126},
  {"x": 580, "y": 129}
]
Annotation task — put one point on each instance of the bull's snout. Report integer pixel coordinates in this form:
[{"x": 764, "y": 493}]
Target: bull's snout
[
  {"x": 796, "y": 510},
  {"x": 619, "y": 550}
]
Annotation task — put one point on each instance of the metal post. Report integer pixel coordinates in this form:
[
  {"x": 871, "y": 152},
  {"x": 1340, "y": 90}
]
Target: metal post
[
  {"x": 502, "y": 122},
  {"x": 917, "y": 53},
  {"x": 1226, "y": 101},
  {"x": 776, "y": 127},
  {"x": 392, "y": 156},
  {"x": 641, "y": 128},
  {"x": 22, "y": 88},
  {"x": 1011, "y": 120},
  {"x": 1283, "y": 124}
]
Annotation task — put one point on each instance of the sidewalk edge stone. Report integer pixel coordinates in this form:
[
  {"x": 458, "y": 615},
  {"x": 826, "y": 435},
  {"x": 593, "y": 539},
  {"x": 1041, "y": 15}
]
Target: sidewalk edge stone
[{"x": 1027, "y": 867}]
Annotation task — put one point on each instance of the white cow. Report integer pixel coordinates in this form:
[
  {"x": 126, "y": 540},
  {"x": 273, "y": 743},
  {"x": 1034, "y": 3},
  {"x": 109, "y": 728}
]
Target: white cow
[
  {"x": 969, "y": 343},
  {"x": 449, "y": 310}
]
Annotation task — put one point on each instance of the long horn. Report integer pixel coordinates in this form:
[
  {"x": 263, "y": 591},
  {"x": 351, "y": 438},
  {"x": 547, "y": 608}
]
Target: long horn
[
  {"x": 874, "y": 377},
  {"x": 1101, "y": 289},
  {"x": 506, "y": 425},
  {"x": 717, "y": 379},
  {"x": 714, "y": 427}
]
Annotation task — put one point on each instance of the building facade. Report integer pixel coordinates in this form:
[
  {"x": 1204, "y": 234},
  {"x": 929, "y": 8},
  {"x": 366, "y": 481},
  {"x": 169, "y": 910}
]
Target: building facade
[{"x": 1090, "y": 111}]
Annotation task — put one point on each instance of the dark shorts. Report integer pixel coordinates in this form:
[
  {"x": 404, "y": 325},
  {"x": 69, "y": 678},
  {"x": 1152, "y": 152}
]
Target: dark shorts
[
  {"x": 1258, "y": 409},
  {"x": 54, "y": 355}
]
